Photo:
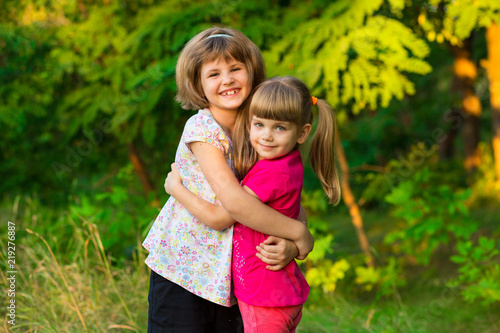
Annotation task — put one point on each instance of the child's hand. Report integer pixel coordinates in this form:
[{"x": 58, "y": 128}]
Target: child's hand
[
  {"x": 173, "y": 179},
  {"x": 305, "y": 244},
  {"x": 276, "y": 252}
]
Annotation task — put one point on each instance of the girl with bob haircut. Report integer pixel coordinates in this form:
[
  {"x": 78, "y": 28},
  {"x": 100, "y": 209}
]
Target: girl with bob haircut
[
  {"x": 268, "y": 134},
  {"x": 190, "y": 286},
  {"x": 202, "y": 49}
]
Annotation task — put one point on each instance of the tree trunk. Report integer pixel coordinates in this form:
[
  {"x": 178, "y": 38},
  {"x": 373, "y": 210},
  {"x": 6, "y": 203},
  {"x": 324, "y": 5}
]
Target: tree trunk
[
  {"x": 493, "y": 44},
  {"x": 140, "y": 170},
  {"x": 351, "y": 204},
  {"x": 465, "y": 71},
  {"x": 446, "y": 147}
]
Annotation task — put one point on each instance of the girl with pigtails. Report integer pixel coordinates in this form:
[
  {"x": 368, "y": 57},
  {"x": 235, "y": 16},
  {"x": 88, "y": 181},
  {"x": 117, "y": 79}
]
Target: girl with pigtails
[
  {"x": 190, "y": 287},
  {"x": 268, "y": 133}
]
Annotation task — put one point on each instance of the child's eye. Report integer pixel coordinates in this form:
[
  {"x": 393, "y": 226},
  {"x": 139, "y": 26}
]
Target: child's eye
[
  {"x": 213, "y": 74},
  {"x": 236, "y": 69},
  {"x": 258, "y": 125},
  {"x": 281, "y": 128}
]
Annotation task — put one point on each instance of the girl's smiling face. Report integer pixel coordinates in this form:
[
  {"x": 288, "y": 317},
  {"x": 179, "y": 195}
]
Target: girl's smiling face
[
  {"x": 225, "y": 84},
  {"x": 274, "y": 138}
]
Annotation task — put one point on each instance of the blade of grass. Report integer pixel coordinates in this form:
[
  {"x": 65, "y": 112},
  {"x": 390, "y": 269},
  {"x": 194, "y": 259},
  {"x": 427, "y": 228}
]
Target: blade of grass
[
  {"x": 62, "y": 276},
  {"x": 96, "y": 239}
]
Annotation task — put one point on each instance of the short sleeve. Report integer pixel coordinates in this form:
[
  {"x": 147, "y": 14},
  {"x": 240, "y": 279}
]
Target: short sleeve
[
  {"x": 203, "y": 127},
  {"x": 267, "y": 182}
]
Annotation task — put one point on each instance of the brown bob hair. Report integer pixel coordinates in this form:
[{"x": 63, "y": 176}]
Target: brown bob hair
[{"x": 201, "y": 49}]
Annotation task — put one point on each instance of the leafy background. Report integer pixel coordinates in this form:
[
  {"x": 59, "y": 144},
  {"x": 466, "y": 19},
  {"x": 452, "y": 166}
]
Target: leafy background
[{"x": 89, "y": 127}]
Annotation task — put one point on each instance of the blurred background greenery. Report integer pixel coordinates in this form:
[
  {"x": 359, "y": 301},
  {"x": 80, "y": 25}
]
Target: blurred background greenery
[{"x": 89, "y": 127}]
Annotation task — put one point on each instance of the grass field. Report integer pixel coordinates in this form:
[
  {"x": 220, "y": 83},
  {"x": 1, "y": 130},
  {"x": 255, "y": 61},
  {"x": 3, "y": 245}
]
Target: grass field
[{"x": 72, "y": 285}]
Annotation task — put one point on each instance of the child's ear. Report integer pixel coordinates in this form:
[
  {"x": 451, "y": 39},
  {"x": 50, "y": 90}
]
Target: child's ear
[{"x": 304, "y": 133}]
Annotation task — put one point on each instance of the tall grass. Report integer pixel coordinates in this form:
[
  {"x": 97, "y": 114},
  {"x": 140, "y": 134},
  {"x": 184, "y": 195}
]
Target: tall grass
[
  {"x": 76, "y": 288},
  {"x": 67, "y": 282}
]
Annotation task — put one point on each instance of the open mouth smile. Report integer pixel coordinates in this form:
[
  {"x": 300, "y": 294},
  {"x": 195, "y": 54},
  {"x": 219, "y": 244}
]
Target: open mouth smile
[{"x": 229, "y": 92}]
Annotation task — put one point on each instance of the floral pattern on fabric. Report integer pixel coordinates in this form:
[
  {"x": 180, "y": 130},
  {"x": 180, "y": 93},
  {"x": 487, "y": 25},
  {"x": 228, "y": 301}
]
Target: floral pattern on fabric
[{"x": 181, "y": 248}]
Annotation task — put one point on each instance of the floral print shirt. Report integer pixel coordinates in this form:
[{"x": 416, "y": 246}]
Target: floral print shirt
[{"x": 181, "y": 248}]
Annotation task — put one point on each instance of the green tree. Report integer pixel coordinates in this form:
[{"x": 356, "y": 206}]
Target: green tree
[
  {"x": 455, "y": 22},
  {"x": 93, "y": 83},
  {"x": 359, "y": 56}
]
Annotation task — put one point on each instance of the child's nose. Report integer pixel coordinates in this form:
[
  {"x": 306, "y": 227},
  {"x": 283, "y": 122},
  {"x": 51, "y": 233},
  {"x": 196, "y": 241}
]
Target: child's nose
[
  {"x": 227, "y": 78},
  {"x": 267, "y": 135}
]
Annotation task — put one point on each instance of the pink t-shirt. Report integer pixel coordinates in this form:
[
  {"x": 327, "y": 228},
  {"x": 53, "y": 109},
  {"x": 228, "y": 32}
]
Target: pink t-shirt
[{"x": 278, "y": 183}]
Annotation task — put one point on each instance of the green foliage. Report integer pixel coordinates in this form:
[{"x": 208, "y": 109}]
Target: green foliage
[
  {"x": 321, "y": 271},
  {"x": 315, "y": 203},
  {"x": 326, "y": 274},
  {"x": 376, "y": 187},
  {"x": 358, "y": 59},
  {"x": 125, "y": 68},
  {"x": 456, "y": 20},
  {"x": 82, "y": 79},
  {"x": 385, "y": 279},
  {"x": 397, "y": 5},
  {"x": 114, "y": 298},
  {"x": 120, "y": 214},
  {"x": 479, "y": 271},
  {"x": 431, "y": 206},
  {"x": 430, "y": 213},
  {"x": 70, "y": 76},
  {"x": 73, "y": 69},
  {"x": 464, "y": 16}
]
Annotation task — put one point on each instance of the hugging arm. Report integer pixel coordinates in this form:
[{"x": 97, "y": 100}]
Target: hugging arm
[
  {"x": 244, "y": 207},
  {"x": 213, "y": 216},
  {"x": 274, "y": 251}
]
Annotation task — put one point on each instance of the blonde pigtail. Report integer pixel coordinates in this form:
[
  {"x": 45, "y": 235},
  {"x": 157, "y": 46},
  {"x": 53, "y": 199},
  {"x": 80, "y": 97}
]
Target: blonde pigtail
[{"x": 322, "y": 152}]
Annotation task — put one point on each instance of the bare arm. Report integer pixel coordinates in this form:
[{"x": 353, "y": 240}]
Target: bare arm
[
  {"x": 213, "y": 216},
  {"x": 275, "y": 251},
  {"x": 278, "y": 252},
  {"x": 302, "y": 215},
  {"x": 242, "y": 206}
]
